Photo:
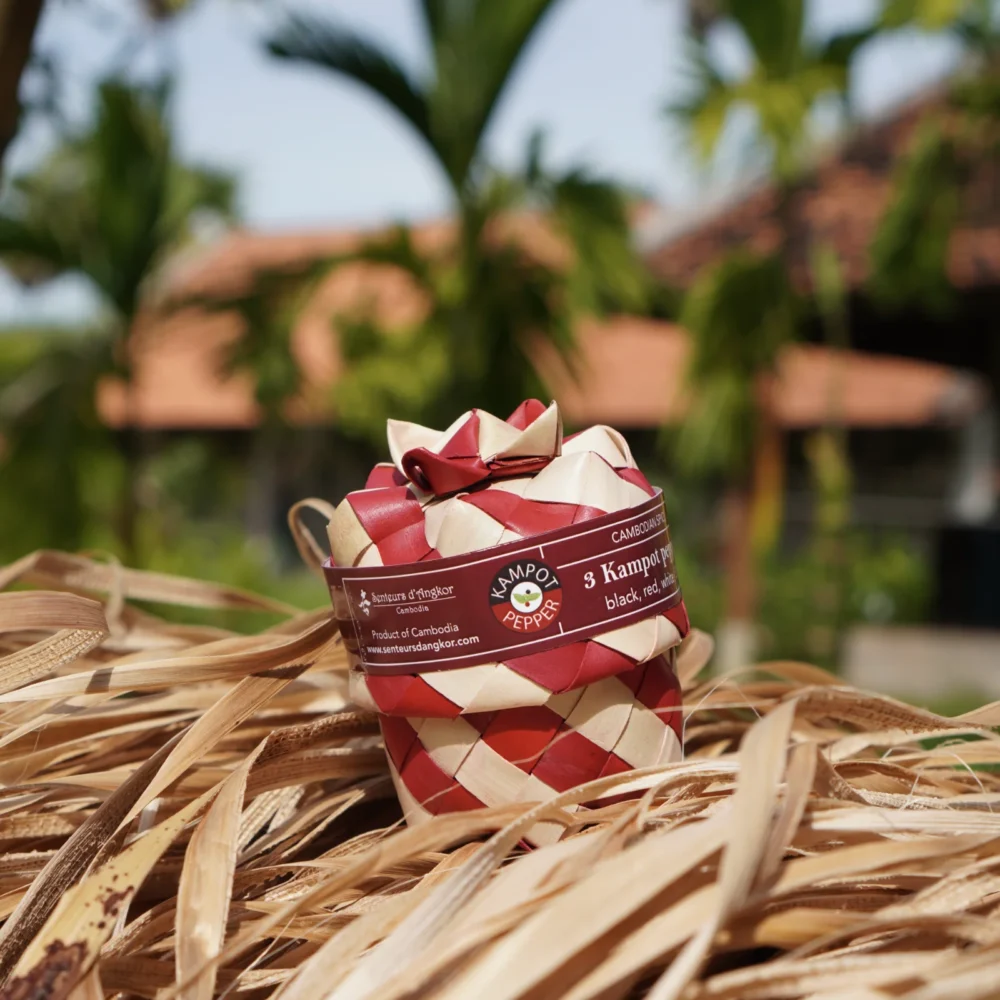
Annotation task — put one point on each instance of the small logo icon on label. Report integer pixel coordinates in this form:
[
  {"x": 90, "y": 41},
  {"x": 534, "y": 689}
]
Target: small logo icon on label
[
  {"x": 364, "y": 603},
  {"x": 526, "y": 596}
]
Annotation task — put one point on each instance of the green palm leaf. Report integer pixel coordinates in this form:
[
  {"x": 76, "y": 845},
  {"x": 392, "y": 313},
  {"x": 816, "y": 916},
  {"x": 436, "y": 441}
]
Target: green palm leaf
[
  {"x": 337, "y": 48},
  {"x": 931, "y": 15},
  {"x": 112, "y": 202},
  {"x": 909, "y": 252},
  {"x": 788, "y": 75},
  {"x": 774, "y": 31},
  {"x": 740, "y": 314},
  {"x": 33, "y": 252},
  {"x": 475, "y": 45},
  {"x": 434, "y": 13}
]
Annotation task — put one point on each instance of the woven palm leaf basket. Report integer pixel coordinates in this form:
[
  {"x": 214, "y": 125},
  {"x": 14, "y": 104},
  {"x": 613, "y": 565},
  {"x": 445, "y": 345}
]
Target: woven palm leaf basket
[{"x": 551, "y": 712}]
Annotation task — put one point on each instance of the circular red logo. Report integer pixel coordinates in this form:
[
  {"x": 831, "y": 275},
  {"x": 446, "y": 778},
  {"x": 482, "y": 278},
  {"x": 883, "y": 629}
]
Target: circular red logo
[{"x": 526, "y": 596}]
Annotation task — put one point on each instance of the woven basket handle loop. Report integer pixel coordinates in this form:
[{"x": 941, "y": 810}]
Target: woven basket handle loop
[{"x": 313, "y": 554}]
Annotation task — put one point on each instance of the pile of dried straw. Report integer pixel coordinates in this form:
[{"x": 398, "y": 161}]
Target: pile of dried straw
[{"x": 190, "y": 813}]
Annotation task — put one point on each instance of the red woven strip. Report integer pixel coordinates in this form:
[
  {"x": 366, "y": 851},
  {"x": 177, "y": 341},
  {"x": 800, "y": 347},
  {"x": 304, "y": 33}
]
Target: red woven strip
[
  {"x": 399, "y": 737},
  {"x": 384, "y": 475},
  {"x": 522, "y": 735},
  {"x": 526, "y": 414},
  {"x": 679, "y": 617},
  {"x": 636, "y": 478},
  {"x": 634, "y": 677},
  {"x": 571, "y": 760},
  {"x": 409, "y": 544},
  {"x": 615, "y": 765},
  {"x": 598, "y": 662},
  {"x": 529, "y": 517},
  {"x": 570, "y": 666},
  {"x": 555, "y": 670},
  {"x": 660, "y": 691},
  {"x": 480, "y": 721},
  {"x": 384, "y": 512},
  {"x": 409, "y": 695},
  {"x": 432, "y": 788}
]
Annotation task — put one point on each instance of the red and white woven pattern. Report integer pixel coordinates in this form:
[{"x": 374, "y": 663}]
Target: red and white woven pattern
[{"x": 531, "y": 726}]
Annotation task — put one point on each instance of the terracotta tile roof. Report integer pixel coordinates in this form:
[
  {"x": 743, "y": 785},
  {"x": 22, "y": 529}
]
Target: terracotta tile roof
[
  {"x": 840, "y": 203},
  {"x": 178, "y": 359},
  {"x": 631, "y": 369},
  {"x": 228, "y": 267},
  {"x": 631, "y": 375}
]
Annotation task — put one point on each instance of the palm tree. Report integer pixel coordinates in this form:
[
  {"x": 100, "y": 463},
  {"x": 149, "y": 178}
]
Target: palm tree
[
  {"x": 788, "y": 75},
  {"x": 486, "y": 295},
  {"x": 972, "y": 21},
  {"x": 747, "y": 297},
  {"x": 111, "y": 203},
  {"x": 19, "y": 21}
]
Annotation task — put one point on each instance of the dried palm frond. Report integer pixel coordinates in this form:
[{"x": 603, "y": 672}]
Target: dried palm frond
[{"x": 190, "y": 813}]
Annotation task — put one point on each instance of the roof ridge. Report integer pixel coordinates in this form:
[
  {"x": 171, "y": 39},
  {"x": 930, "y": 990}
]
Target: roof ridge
[{"x": 824, "y": 151}]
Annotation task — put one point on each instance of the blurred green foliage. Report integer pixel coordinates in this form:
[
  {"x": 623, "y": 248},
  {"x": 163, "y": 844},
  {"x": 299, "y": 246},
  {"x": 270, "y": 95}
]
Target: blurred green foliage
[
  {"x": 219, "y": 550},
  {"x": 740, "y": 313},
  {"x": 111, "y": 202},
  {"x": 888, "y": 581},
  {"x": 56, "y": 464},
  {"x": 190, "y": 524},
  {"x": 971, "y": 20},
  {"x": 910, "y": 251},
  {"x": 789, "y": 72}
]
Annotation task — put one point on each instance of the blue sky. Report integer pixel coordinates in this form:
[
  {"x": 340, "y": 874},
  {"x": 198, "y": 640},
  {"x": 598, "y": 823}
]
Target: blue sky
[{"x": 312, "y": 151}]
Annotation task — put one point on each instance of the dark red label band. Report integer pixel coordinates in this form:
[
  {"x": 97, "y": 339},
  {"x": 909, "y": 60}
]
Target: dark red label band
[{"x": 513, "y": 600}]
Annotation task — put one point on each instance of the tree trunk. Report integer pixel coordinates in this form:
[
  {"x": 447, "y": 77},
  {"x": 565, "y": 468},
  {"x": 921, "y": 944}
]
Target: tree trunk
[
  {"x": 133, "y": 443},
  {"x": 18, "y": 20},
  {"x": 829, "y": 460},
  {"x": 737, "y": 633},
  {"x": 262, "y": 484},
  {"x": 768, "y": 475},
  {"x": 129, "y": 501},
  {"x": 752, "y": 512}
]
